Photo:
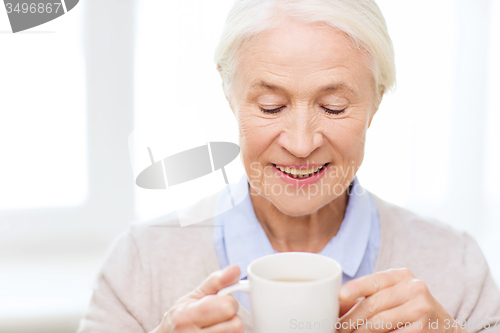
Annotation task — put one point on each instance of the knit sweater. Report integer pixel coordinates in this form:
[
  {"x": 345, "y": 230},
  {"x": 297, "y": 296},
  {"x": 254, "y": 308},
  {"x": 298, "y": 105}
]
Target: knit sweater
[{"x": 152, "y": 264}]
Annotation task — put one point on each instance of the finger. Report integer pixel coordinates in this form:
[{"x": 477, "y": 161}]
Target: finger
[
  {"x": 370, "y": 306},
  {"x": 234, "y": 325},
  {"x": 213, "y": 309},
  {"x": 405, "y": 317},
  {"x": 370, "y": 284},
  {"x": 216, "y": 281}
]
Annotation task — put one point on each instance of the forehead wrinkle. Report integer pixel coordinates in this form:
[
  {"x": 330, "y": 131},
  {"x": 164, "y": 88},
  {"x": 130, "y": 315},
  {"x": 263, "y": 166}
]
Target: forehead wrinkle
[
  {"x": 338, "y": 83},
  {"x": 335, "y": 86},
  {"x": 335, "y": 70},
  {"x": 283, "y": 63},
  {"x": 261, "y": 84}
]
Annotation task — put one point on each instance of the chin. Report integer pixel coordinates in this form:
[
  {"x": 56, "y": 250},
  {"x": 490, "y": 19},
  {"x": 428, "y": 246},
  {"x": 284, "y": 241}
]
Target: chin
[{"x": 297, "y": 206}]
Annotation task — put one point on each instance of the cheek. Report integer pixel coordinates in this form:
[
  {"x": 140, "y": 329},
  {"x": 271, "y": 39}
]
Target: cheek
[
  {"x": 347, "y": 136},
  {"x": 256, "y": 134}
]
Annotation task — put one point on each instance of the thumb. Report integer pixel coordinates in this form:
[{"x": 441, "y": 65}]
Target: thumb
[{"x": 216, "y": 281}]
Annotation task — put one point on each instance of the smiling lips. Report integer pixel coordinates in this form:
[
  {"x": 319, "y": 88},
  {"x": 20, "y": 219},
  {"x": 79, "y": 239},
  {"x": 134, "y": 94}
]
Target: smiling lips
[{"x": 299, "y": 173}]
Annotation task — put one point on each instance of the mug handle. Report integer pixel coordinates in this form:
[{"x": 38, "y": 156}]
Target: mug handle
[{"x": 242, "y": 285}]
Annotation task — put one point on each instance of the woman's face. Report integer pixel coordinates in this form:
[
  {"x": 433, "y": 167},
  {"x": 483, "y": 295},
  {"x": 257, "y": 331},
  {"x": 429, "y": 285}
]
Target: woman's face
[{"x": 303, "y": 97}]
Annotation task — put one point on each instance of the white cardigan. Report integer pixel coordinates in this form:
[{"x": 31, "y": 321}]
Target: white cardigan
[{"x": 151, "y": 265}]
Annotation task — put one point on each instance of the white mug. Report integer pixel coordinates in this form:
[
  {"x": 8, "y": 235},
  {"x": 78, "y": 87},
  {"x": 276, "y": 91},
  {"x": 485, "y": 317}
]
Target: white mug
[{"x": 292, "y": 292}]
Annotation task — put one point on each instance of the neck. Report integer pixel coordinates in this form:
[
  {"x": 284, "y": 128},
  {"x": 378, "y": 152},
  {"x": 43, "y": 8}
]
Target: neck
[{"x": 306, "y": 233}]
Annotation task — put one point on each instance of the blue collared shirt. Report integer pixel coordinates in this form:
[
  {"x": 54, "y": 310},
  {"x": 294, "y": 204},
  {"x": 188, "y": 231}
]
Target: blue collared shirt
[{"x": 239, "y": 238}]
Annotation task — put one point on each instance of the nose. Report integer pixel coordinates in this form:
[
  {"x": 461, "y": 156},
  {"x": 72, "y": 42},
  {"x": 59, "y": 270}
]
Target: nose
[{"x": 301, "y": 134}]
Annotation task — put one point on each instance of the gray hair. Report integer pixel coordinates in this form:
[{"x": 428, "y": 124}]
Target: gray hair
[{"x": 361, "y": 20}]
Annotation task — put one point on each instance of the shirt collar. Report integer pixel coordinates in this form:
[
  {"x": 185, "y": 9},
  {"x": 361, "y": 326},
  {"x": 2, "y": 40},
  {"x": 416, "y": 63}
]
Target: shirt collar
[{"x": 245, "y": 239}]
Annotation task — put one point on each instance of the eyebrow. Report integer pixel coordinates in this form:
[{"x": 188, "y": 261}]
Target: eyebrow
[{"x": 331, "y": 87}]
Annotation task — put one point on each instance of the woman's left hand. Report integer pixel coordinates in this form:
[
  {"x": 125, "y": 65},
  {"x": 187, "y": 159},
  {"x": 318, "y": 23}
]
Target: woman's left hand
[{"x": 391, "y": 299}]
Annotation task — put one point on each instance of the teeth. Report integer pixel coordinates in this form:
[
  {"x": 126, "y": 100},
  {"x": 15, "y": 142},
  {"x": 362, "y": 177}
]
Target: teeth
[{"x": 299, "y": 173}]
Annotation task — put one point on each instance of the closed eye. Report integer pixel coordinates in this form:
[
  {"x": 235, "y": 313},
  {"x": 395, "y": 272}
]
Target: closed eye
[
  {"x": 276, "y": 110},
  {"x": 333, "y": 111},
  {"x": 271, "y": 111}
]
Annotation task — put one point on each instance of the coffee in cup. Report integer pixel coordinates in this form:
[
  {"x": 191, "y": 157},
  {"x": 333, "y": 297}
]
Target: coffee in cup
[{"x": 292, "y": 292}]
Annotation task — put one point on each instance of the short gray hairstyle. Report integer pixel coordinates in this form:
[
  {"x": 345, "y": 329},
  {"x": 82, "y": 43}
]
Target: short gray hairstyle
[{"x": 361, "y": 20}]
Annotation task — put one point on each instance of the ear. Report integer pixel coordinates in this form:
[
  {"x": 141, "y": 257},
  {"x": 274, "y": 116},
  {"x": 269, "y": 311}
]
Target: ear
[{"x": 381, "y": 92}]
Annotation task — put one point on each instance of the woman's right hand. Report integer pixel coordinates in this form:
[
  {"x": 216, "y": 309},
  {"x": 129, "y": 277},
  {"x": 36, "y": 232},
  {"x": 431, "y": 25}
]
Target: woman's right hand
[{"x": 203, "y": 311}]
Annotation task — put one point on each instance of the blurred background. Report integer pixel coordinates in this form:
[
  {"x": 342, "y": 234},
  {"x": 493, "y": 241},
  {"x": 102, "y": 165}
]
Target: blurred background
[{"x": 82, "y": 97}]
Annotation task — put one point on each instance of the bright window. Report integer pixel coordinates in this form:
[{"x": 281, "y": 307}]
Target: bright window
[{"x": 42, "y": 115}]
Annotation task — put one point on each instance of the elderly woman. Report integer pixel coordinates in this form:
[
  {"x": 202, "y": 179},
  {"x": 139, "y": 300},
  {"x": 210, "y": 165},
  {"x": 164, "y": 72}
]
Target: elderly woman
[{"x": 304, "y": 79}]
